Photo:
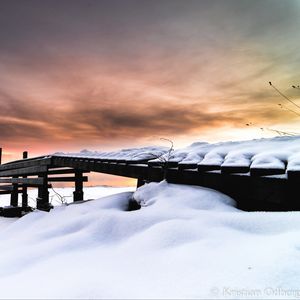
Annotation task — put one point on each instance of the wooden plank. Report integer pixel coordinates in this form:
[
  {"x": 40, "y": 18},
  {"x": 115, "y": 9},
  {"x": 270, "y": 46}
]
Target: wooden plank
[
  {"x": 28, "y": 159},
  {"x": 82, "y": 164},
  {"x": 121, "y": 160},
  {"x": 26, "y": 181},
  {"x": 27, "y": 185},
  {"x": 112, "y": 160},
  {"x": 35, "y": 185},
  {"x": 234, "y": 169},
  {"x": 266, "y": 172},
  {"x": 95, "y": 165},
  {"x": 66, "y": 179},
  {"x": 24, "y": 171},
  {"x": 204, "y": 168},
  {"x": 132, "y": 171},
  {"x": 184, "y": 166},
  {"x": 85, "y": 166},
  {"x": 104, "y": 159},
  {"x": 154, "y": 163},
  {"x": 293, "y": 174},
  {"x": 8, "y": 192},
  {"x": 172, "y": 164},
  {"x": 60, "y": 162},
  {"x": 64, "y": 171},
  {"x": 6, "y": 187},
  {"x": 25, "y": 163},
  {"x": 60, "y": 171},
  {"x": 136, "y": 162}
]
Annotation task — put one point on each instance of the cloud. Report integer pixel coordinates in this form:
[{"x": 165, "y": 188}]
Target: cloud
[{"x": 103, "y": 72}]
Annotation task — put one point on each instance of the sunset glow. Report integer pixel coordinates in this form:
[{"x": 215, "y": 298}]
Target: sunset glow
[{"x": 110, "y": 74}]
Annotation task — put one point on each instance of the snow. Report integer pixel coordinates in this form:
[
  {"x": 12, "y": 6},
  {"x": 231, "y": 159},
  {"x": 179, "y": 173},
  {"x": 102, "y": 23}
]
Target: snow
[
  {"x": 267, "y": 161},
  {"x": 184, "y": 242},
  {"x": 144, "y": 153},
  {"x": 294, "y": 162},
  {"x": 277, "y": 153},
  {"x": 66, "y": 194}
]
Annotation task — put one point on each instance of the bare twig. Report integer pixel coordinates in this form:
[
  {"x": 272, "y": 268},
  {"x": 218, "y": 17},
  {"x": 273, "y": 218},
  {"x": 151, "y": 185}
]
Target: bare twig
[
  {"x": 286, "y": 108},
  {"x": 163, "y": 158},
  {"x": 279, "y": 132},
  {"x": 283, "y": 95},
  {"x": 171, "y": 149},
  {"x": 62, "y": 199}
]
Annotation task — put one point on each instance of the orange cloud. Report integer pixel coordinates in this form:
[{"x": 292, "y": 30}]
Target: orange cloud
[{"x": 104, "y": 78}]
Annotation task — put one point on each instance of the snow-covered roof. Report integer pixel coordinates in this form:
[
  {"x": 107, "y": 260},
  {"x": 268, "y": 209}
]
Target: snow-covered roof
[{"x": 271, "y": 153}]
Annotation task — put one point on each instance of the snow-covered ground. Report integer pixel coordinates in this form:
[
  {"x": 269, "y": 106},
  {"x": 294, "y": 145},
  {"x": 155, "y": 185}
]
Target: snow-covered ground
[
  {"x": 57, "y": 196},
  {"x": 185, "y": 242}
]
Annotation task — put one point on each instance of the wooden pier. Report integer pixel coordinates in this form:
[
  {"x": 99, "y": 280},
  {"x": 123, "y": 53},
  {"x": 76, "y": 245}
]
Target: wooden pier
[{"x": 252, "y": 188}]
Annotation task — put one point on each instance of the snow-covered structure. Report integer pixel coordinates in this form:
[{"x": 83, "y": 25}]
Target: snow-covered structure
[
  {"x": 277, "y": 153},
  {"x": 258, "y": 174}
]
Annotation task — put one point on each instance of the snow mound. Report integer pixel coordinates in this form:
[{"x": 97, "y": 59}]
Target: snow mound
[
  {"x": 174, "y": 196},
  {"x": 185, "y": 242}
]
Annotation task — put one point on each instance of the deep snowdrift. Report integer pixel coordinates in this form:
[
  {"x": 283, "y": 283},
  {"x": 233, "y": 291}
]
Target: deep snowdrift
[{"x": 185, "y": 242}]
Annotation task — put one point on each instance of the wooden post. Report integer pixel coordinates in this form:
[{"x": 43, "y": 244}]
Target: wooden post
[
  {"x": 0, "y": 156},
  {"x": 42, "y": 201},
  {"x": 14, "y": 194},
  {"x": 78, "y": 193},
  {"x": 24, "y": 188},
  {"x": 25, "y": 154},
  {"x": 140, "y": 182}
]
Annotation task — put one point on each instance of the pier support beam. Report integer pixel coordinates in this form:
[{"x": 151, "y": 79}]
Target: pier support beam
[
  {"x": 78, "y": 193},
  {"x": 42, "y": 201},
  {"x": 24, "y": 188},
  {"x": 140, "y": 182},
  {"x": 14, "y": 194}
]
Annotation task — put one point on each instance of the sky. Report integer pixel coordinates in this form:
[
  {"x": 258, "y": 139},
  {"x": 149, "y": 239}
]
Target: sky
[{"x": 110, "y": 74}]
